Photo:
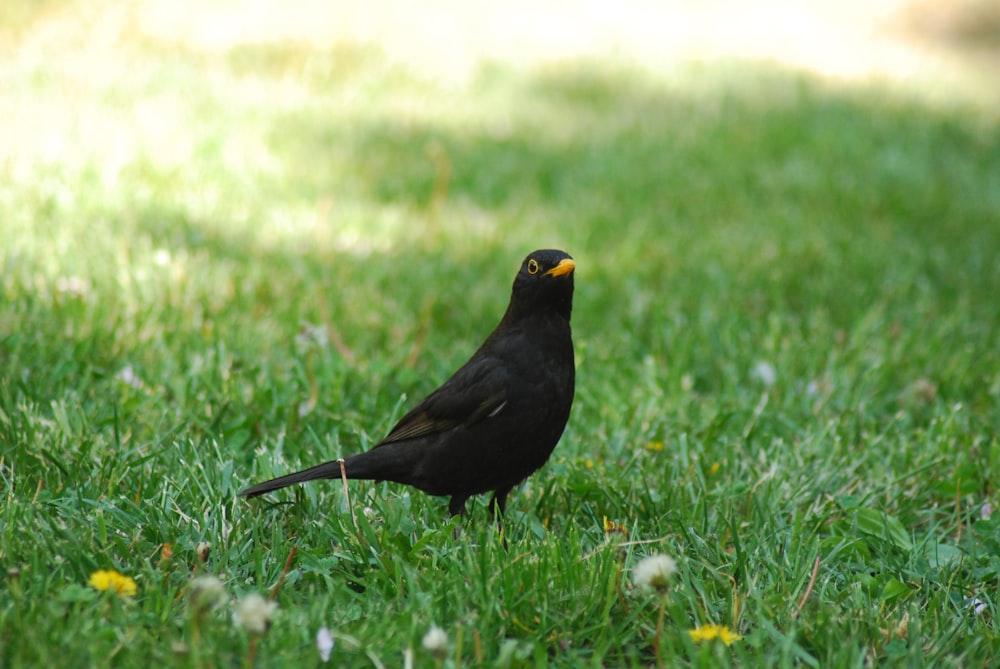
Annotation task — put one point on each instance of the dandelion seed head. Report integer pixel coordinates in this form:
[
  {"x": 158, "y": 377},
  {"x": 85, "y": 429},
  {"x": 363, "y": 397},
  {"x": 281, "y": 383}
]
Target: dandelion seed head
[
  {"x": 311, "y": 337},
  {"x": 253, "y": 613},
  {"x": 654, "y": 572},
  {"x": 207, "y": 593}
]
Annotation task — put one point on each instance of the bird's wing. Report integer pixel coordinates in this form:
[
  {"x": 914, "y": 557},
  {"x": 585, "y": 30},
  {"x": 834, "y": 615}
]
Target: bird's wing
[{"x": 476, "y": 392}]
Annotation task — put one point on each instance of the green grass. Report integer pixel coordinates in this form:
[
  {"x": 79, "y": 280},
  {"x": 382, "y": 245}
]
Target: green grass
[{"x": 158, "y": 269}]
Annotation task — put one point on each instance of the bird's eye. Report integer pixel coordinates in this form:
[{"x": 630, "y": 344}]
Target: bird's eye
[{"x": 532, "y": 266}]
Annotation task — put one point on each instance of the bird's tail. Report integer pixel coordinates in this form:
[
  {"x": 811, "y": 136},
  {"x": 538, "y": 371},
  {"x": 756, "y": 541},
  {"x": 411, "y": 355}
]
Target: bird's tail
[
  {"x": 383, "y": 463},
  {"x": 327, "y": 470}
]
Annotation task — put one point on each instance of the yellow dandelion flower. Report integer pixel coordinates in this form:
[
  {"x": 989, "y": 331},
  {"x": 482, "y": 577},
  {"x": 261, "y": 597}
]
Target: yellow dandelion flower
[
  {"x": 712, "y": 632},
  {"x": 109, "y": 579},
  {"x": 714, "y": 469},
  {"x": 588, "y": 463},
  {"x": 655, "y": 446},
  {"x": 611, "y": 526}
]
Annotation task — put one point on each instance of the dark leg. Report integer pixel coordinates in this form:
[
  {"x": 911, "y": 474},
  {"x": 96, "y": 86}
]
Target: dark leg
[
  {"x": 456, "y": 506},
  {"x": 497, "y": 505}
]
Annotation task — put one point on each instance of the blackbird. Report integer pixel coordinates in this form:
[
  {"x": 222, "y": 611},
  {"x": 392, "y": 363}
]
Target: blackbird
[{"x": 498, "y": 418}]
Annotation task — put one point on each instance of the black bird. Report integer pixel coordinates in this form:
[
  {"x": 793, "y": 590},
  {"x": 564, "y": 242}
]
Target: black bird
[{"x": 498, "y": 418}]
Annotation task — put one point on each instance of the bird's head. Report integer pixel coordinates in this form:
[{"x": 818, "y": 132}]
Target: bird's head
[{"x": 544, "y": 282}]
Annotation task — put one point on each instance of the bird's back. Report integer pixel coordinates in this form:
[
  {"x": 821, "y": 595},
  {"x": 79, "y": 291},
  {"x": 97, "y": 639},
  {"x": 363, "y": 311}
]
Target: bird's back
[{"x": 526, "y": 374}]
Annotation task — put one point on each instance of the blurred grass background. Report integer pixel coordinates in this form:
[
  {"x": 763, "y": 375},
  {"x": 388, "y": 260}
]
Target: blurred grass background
[{"x": 240, "y": 238}]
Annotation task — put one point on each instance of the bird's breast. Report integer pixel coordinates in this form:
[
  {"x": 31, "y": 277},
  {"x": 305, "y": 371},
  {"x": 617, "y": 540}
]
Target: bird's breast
[{"x": 543, "y": 374}]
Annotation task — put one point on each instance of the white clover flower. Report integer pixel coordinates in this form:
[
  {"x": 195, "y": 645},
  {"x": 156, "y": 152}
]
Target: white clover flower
[
  {"x": 253, "y": 613},
  {"x": 161, "y": 257},
  {"x": 654, "y": 572},
  {"x": 73, "y": 286},
  {"x": 306, "y": 407},
  {"x": 436, "y": 641},
  {"x": 324, "y": 643},
  {"x": 128, "y": 376},
  {"x": 765, "y": 373}
]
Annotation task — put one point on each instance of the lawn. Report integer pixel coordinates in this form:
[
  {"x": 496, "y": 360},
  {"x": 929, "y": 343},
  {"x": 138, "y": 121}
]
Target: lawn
[{"x": 221, "y": 266}]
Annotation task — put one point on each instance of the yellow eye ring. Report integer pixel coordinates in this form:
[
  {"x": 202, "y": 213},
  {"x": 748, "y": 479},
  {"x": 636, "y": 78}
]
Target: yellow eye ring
[{"x": 532, "y": 266}]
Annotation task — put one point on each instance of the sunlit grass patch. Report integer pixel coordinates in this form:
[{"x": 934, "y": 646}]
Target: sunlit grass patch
[{"x": 222, "y": 265}]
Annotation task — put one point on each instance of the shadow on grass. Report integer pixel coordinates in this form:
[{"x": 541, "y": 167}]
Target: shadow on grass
[
  {"x": 769, "y": 177},
  {"x": 742, "y": 202}
]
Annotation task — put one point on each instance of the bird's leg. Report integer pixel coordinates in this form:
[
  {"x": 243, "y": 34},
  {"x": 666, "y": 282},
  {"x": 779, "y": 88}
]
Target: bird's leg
[
  {"x": 498, "y": 504},
  {"x": 456, "y": 506}
]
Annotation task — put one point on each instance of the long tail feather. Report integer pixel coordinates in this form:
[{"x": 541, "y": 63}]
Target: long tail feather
[
  {"x": 327, "y": 470},
  {"x": 389, "y": 462}
]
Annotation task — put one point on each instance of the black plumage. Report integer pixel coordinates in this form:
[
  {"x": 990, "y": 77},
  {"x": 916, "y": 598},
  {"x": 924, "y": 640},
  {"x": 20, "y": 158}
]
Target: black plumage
[{"x": 498, "y": 418}]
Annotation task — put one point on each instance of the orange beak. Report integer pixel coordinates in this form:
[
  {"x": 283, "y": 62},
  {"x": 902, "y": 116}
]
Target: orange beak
[{"x": 565, "y": 266}]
